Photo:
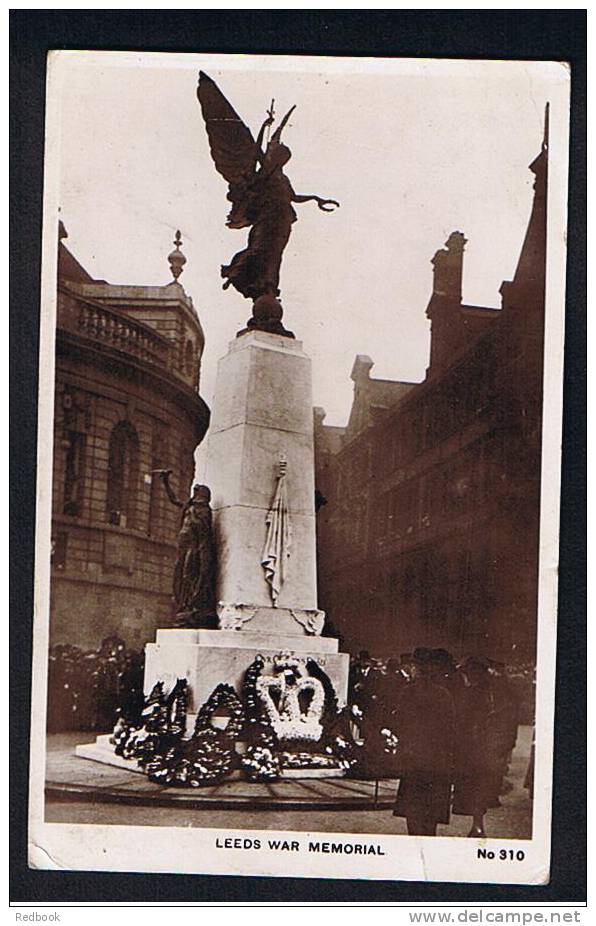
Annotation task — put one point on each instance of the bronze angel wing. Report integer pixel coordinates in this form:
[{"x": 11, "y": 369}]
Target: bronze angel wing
[{"x": 233, "y": 148}]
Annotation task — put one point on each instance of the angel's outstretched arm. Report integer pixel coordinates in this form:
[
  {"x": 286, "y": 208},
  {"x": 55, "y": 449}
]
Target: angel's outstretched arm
[{"x": 325, "y": 205}]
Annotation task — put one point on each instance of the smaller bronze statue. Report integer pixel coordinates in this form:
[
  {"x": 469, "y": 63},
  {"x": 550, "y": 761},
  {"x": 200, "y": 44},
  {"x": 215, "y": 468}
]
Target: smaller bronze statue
[{"x": 194, "y": 572}]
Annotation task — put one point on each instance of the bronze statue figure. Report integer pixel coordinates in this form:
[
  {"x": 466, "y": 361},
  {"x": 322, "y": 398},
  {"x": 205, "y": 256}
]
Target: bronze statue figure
[
  {"x": 261, "y": 197},
  {"x": 195, "y": 569}
]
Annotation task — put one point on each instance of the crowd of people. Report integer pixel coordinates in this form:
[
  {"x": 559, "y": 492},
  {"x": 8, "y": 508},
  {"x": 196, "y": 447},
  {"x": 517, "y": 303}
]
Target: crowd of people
[
  {"x": 88, "y": 689},
  {"x": 445, "y": 730},
  {"x": 452, "y": 729}
]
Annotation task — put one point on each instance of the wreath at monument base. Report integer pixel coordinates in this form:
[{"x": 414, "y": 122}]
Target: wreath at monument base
[
  {"x": 157, "y": 742},
  {"x": 306, "y": 760},
  {"x": 261, "y": 763},
  {"x": 156, "y": 739},
  {"x": 158, "y": 730},
  {"x": 222, "y": 700},
  {"x": 204, "y": 759},
  {"x": 261, "y": 760}
]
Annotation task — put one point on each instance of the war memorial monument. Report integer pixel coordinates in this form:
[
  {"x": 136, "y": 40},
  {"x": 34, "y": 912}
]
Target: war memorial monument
[
  {"x": 225, "y": 555},
  {"x": 240, "y": 677}
]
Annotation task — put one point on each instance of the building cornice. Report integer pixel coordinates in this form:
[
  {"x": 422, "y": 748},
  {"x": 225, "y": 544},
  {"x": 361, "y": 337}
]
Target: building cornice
[{"x": 119, "y": 363}]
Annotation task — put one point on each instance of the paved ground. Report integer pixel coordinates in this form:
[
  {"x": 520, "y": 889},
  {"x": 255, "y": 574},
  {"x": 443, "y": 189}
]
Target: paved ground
[{"x": 81, "y": 791}]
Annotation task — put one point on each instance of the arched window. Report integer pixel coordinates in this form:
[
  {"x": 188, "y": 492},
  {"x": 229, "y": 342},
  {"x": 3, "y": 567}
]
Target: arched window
[{"x": 123, "y": 475}]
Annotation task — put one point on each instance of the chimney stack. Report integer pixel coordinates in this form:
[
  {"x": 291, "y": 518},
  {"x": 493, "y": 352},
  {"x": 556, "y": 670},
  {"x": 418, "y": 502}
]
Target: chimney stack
[{"x": 448, "y": 268}]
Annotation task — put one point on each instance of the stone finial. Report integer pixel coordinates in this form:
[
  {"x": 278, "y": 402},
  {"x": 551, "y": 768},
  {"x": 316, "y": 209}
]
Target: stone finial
[{"x": 176, "y": 258}]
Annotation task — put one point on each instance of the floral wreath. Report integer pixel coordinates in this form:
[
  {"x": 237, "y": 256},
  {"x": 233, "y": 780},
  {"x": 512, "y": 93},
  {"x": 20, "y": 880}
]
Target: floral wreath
[
  {"x": 287, "y": 718},
  {"x": 155, "y": 738},
  {"x": 223, "y": 697}
]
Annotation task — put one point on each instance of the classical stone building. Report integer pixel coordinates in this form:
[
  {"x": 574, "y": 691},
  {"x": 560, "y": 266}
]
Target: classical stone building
[
  {"x": 127, "y": 402},
  {"x": 430, "y": 531}
]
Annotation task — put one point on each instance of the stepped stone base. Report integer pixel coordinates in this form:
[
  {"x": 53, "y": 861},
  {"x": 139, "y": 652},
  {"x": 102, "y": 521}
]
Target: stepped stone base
[
  {"x": 263, "y": 619},
  {"x": 206, "y": 658},
  {"x": 103, "y": 751}
]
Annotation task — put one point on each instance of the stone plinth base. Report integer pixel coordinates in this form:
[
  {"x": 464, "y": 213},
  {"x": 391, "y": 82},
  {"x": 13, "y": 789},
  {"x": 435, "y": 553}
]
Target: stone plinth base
[
  {"x": 103, "y": 751},
  {"x": 281, "y": 642},
  {"x": 269, "y": 620},
  {"x": 207, "y": 658}
]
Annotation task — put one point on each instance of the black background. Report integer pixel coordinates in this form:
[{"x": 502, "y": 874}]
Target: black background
[{"x": 525, "y": 34}]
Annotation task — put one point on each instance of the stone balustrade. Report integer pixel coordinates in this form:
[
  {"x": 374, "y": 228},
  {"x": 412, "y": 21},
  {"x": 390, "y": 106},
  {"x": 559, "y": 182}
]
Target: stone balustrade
[{"x": 115, "y": 330}]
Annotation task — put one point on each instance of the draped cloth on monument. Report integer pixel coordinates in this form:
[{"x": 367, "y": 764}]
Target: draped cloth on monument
[{"x": 276, "y": 551}]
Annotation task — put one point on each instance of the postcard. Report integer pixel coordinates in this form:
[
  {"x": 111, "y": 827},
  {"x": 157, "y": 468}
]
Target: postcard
[{"x": 299, "y": 466}]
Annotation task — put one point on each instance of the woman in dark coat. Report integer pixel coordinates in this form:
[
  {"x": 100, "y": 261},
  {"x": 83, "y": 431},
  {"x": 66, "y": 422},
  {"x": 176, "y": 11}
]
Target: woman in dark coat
[
  {"x": 504, "y": 724},
  {"x": 425, "y": 727}
]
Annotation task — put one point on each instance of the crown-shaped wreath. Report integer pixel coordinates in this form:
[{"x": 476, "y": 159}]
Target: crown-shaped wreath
[{"x": 293, "y": 700}]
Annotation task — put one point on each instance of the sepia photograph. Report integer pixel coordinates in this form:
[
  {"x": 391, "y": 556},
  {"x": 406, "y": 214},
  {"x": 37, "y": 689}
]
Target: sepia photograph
[{"x": 298, "y": 466}]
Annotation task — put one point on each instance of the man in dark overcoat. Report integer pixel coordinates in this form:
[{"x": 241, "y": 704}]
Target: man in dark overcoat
[{"x": 425, "y": 721}]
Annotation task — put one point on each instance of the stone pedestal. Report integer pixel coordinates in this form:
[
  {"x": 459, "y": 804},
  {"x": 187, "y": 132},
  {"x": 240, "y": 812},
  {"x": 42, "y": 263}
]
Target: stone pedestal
[
  {"x": 208, "y": 657},
  {"x": 262, "y": 414}
]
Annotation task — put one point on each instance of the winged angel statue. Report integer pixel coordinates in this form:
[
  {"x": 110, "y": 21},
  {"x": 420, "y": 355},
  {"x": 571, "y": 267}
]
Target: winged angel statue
[{"x": 261, "y": 197}]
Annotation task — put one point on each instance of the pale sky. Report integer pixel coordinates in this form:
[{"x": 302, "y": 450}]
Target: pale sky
[{"x": 411, "y": 149}]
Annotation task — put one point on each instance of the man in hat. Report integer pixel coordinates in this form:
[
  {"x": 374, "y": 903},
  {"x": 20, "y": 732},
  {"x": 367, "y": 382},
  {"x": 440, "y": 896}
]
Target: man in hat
[
  {"x": 425, "y": 728},
  {"x": 194, "y": 572},
  {"x": 390, "y": 688}
]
